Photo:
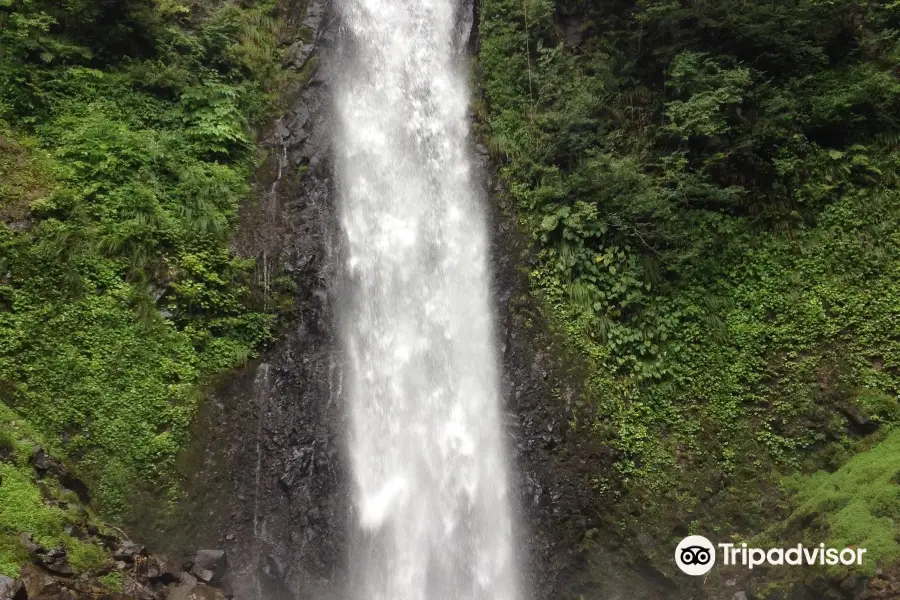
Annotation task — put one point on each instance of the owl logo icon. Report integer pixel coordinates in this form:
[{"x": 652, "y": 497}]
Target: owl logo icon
[{"x": 695, "y": 555}]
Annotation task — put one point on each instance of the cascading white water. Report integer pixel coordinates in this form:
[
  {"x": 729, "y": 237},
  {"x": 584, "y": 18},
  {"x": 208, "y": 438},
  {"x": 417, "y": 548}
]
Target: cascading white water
[{"x": 426, "y": 440}]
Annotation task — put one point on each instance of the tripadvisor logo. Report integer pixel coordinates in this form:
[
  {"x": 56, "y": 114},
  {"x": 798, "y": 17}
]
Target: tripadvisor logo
[{"x": 696, "y": 555}]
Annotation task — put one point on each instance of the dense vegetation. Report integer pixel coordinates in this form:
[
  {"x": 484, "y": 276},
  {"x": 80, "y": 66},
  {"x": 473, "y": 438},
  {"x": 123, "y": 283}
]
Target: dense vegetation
[
  {"x": 125, "y": 150},
  {"x": 712, "y": 190}
]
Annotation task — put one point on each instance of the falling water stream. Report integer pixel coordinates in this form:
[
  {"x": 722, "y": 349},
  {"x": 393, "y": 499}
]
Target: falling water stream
[{"x": 426, "y": 442}]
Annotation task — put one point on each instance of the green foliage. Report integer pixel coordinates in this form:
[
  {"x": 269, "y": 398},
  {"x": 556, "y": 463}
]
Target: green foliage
[
  {"x": 711, "y": 96},
  {"x": 83, "y": 556},
  {"x": 12, "y": 555},
  {"x": 27, "y": 507},
  {"x": 23, "y": 509},
  {"x": 113, "y": 581},
  {"x": 857, "y": 505},
  {"x": 711, "y": 190},
  {"x": 126, "y": 130}
]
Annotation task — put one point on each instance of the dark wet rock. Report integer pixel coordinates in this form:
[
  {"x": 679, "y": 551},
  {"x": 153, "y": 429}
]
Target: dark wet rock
[
  {"x": 57, "y": 563},
  {"x": 29, "y": 544},
  {"x": 128, "y": 551},
  {"x": 299, "y": 54},
  {"x": 40, "y": 460},
  {"x": 859, "y": 422},
  {"x": 12, "y": 589},
  {"x": 316, "y": 14},
  {"x": 37, "y": 581},
  {"x": 161, "y": 570},
  {"x": 271, "y": 435},
  {"x": 75, "y": 531},
  {"x": 226, "y": 588},
  {"x": 44, "y": 464},
  {"x": 209, "y": 565}
]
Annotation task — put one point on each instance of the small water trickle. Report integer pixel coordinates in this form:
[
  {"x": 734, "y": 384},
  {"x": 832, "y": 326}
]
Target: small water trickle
[
  {"x": 271, "y": 204},
  {"x": 261, "y": 387}
]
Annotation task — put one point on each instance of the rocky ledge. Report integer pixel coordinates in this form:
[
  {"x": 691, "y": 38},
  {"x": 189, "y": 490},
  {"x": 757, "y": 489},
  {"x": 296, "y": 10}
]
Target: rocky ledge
[
  {"x": 202, "y": 576},
  {"x": 129, "y": 571}
]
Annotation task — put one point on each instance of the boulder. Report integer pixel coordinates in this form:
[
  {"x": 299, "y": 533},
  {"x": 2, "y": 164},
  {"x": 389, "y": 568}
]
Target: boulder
[
  {"x": 59, "y": 566},
  {"x": 128, "y": 551},
  {"x": 40, "y": 585},
  {"x": 12, "y": 589},
  {"x": 40, "y": 460},
  {"x": 36, "y": 580},
  {"x": 187, "y": 580},
  {"x": 28, "y": 542},
  {"x": 195, "y": 592},
  {"x": 209, "y": 565},
  {"x": 161, "y": 570},
  {"x": 45, "y": 464},
  {"x": 60, "y": 593},
  {"x": 75, "y": 531},
  {"x": 57, "y": 562}
]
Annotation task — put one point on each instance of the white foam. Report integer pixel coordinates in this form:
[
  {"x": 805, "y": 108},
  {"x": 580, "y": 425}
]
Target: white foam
[{"x": 426, "y": 436}]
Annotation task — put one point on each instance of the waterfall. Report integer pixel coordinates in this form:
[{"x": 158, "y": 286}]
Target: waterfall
[{"x": 426, "y": 439}]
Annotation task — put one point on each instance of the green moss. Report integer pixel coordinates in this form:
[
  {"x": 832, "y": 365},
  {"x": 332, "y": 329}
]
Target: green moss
[
  {"x": 857, "y": 505},
  {"x": 113, "y": 581},
  {"x": 84, "y": 556},
  {"x": 12, "y": 554},
  {"x": 22, "y": 509},
  {"x": 25, "y": 507},
  {"x": 25, "y": 175}
]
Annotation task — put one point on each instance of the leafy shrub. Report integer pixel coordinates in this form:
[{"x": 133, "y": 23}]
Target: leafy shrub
[
  {"x": 710, "y": 190},
  {"x": 119, "y": 296}
]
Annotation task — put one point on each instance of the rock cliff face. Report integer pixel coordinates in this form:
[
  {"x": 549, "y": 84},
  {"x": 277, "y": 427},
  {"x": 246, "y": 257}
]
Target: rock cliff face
[
  {"x": 267, "y": 479},
  {"x": 569, "y": 551},
  {"x": 269, "y": 443}
]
